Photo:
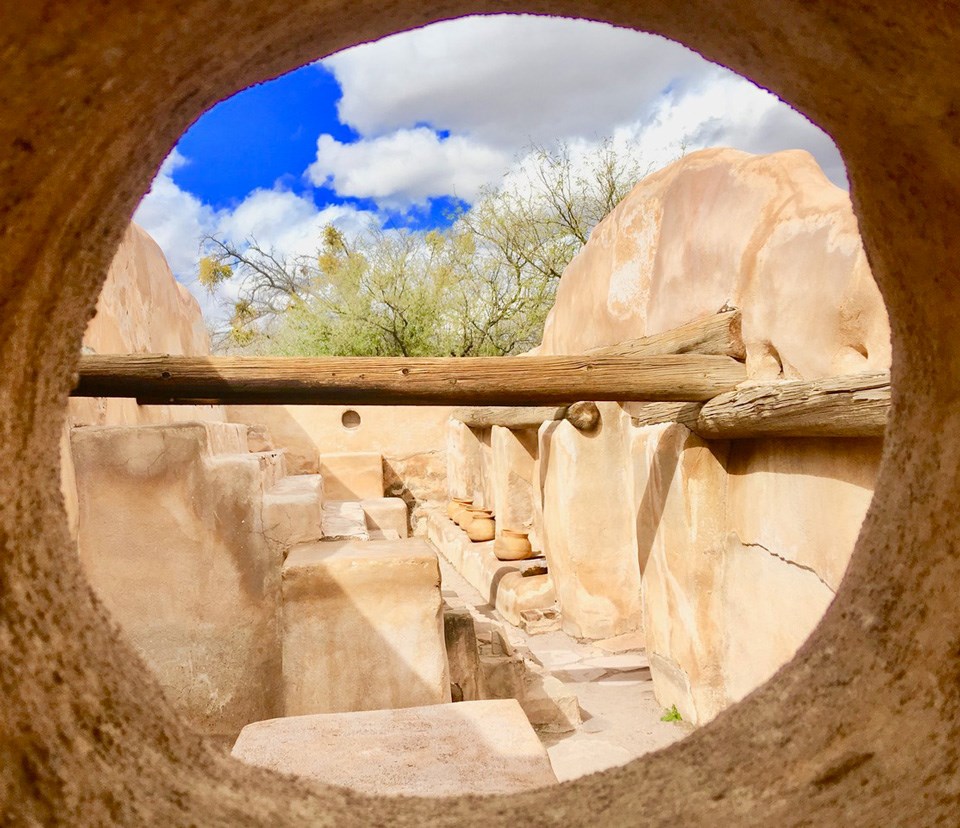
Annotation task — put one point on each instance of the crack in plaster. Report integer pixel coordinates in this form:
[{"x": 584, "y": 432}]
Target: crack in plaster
[{"x": 804, "y": 567}]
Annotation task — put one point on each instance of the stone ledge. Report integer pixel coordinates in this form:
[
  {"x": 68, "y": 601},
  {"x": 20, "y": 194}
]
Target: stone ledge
[
  {"x": 476, "y": 747},
  {"x": 501, "y": 582}
]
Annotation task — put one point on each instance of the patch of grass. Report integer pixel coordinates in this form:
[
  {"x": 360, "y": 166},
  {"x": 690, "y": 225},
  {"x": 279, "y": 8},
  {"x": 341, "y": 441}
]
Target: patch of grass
[{"x": 672, "y": 715}]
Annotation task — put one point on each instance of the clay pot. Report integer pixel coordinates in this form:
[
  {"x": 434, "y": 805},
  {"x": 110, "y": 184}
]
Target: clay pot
[
  {"x": 457, "y": 505},
  {"x": 483, "y": 527},
  {"x": 513, "y": 546},
  {"x": 464, "y": 515}
]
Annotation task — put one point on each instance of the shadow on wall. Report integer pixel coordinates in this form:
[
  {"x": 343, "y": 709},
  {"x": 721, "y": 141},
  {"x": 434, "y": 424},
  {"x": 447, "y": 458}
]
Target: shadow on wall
[
  {"x": 409, "y": 439},
  {"x": 394, "y": 486},
  {"x": 742, "y": 545},
  {"x": 186, "y": 549},
  {"x": 302, "y": 454},
  {"x": 661, "y": 469}
]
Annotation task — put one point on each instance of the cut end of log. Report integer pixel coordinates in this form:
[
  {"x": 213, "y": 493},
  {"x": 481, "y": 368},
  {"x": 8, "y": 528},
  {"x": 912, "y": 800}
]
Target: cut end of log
[{"x": 583, "y": 416}]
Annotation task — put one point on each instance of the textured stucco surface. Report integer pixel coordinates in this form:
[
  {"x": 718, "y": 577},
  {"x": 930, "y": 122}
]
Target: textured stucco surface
[
  {"x": 409, "y": 438},
  {"x": 768, "y": 234},
  {"x": 94, "y": 97},
  {"x": 437, "y": 750}
]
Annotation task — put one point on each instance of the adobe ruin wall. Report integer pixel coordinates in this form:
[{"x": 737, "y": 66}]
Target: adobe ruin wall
[{"x": 725, "y": 552}]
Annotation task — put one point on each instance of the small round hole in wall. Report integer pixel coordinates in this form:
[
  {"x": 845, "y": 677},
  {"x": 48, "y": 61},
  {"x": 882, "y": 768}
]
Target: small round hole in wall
[{"x": 350, "y": 419}]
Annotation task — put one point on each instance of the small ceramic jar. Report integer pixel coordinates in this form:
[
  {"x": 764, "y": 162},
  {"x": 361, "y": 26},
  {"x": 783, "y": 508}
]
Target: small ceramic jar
[
  {"x": 465, "y": 515},
  {"x": 457, "y": 505},
  {"x": 513, "y": 546},
  {"x": 483, "y": 527}
]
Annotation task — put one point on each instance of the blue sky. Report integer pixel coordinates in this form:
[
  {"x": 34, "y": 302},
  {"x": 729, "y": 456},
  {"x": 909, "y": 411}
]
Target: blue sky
[
  {"x": 265, "y": 135},
  {"x": 397, "y": 132}
]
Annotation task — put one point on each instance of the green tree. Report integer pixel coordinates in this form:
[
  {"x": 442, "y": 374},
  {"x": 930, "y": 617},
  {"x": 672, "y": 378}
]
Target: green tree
[{"x": 483, "y": 286}]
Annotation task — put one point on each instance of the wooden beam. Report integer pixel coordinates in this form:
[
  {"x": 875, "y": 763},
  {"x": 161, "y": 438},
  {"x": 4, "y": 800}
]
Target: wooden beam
[
  {"x": 164, "y": 379},
  {"x": 655, "y": 413},
  {"x": 848, "y": 406},
  {"x": 584, "y": 416},
  {"x": 719, "y": 335}
]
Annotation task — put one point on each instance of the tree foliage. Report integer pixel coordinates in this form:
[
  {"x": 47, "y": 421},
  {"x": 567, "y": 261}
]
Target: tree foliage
[{"x": 482, "y": 286}]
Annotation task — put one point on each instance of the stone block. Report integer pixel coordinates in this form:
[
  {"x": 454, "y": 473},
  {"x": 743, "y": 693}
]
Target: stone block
[
  {"x": 540, "y": 621},
  {"x": 259, "y": 439},
  {"x": 386, "y": 514},
  {"x": 463, "y": 657},
  {"x": 344, "y": 520},
  {"x": 589, "y": 526},
  {"x": 362, "y": 627},
  {"x": 352, "y": 475},
  {"x": 293, "y": 510},
  {"x": 172, "y": 540},
  {"x": 548, "y": 704},
  {"x": 227, "y": 438},
  {"x": 477, "y": 747},
  {"x": 517, "y": 593}
]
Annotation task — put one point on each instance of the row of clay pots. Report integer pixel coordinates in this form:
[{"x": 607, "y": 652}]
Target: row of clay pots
[{"x": 480, "y": 525}]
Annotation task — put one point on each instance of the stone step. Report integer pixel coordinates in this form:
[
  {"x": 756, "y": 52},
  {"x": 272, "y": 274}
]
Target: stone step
[
  {"x": 362, "y": 626},
  {"x": 386, "y": 513},
  {"x": 298, "y": 485},
  {"x": 293, "y": 510},
  {"x": 475, "y": 747},
  {"x": 226, "y": 438},
  {"x": 384, "y": 534},
  {"x": 344, "y": 520},
  {"x": 273, "y": 467}
]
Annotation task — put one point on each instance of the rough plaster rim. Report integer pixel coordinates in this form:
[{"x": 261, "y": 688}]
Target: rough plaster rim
[{"x": 847, "y": 622}]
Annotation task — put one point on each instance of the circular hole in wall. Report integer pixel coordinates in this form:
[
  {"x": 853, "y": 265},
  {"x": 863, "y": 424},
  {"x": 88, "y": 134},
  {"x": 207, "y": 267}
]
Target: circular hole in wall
[{"x": 345, "y": 422}]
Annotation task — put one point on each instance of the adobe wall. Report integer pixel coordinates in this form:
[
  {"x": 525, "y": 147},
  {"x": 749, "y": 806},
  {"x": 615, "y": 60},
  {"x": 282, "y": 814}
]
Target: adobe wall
[
  {"x": 141, "y": 309},
  {"x": 169, "y": 522},
  {"x": 409, "y": 438},
  {"x": 90, "y": 112},
  {"x": 734, "y": 548}
]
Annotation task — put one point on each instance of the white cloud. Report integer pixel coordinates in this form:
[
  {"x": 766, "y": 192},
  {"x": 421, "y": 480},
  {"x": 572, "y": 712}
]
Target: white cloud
[
  {"x": 495, "y": 84},
  {"x": 286, "y": 222},
  {"x": 723, "y": 109},
  {"x": 508, "y": 80},
  {"x": 278, "y": 219},
  {"x": 175, "y": 218},
  {"x": 407, "y": 166},
  {"x": 504, "y": 82}
]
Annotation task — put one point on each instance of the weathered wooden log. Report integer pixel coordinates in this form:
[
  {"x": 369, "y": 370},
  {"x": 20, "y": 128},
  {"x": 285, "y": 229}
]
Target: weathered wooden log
[
  {"x": 584, "y": 416},
  {"x": 848, "y": 406},
  {"x": 719, "y": 334},
  {"x": 163, "y": 379},
  {"x": 655, "y": 413}
]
